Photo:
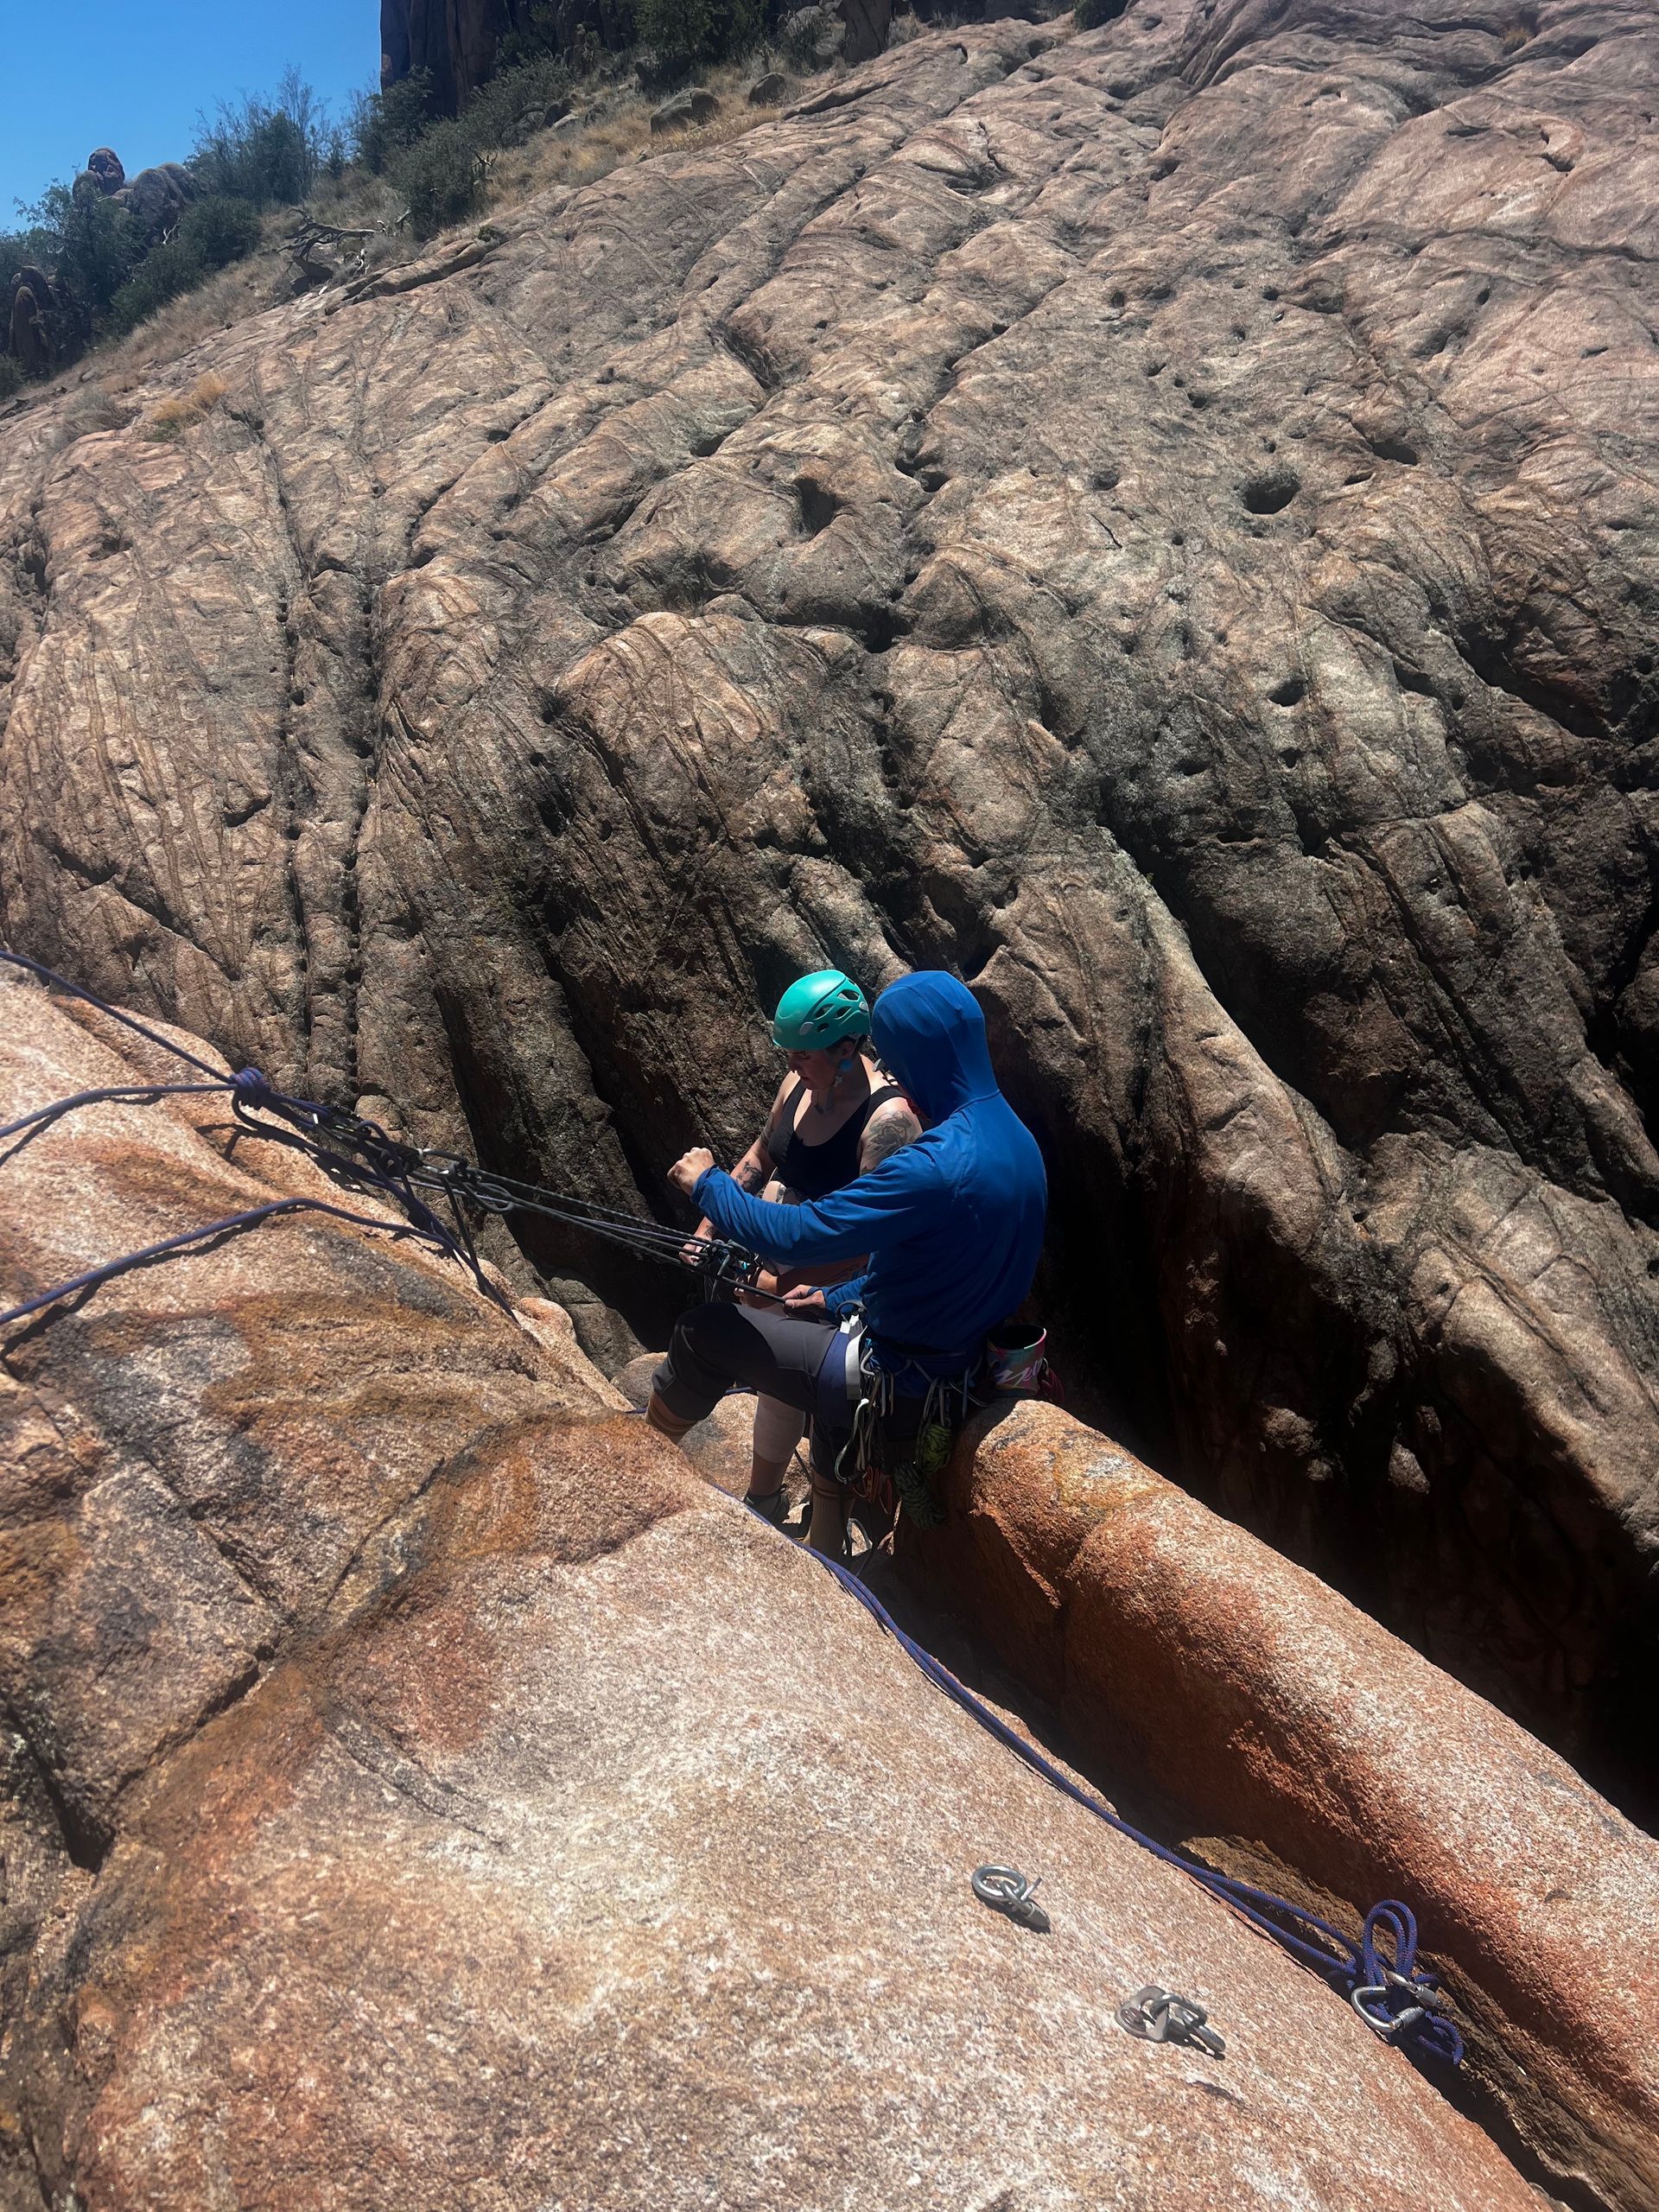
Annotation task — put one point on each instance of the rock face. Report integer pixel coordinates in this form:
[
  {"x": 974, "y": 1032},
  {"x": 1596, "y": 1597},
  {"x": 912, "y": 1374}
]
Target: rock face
[
  {"x": 402, "y": 1809},
  {"x": 158, "y": 197},
  {"x": 106, "y": 169},
  {"x": 682, "y": 110},
  {"x": 1158, "y": 519},
  {"x": 1251, "y": 1702},
  {"x": 28, "y": 324},
  {"x": 457, "y": 42}
]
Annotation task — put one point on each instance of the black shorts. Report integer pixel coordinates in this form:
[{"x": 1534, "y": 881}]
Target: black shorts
[{"x": 776, "y": 1355}]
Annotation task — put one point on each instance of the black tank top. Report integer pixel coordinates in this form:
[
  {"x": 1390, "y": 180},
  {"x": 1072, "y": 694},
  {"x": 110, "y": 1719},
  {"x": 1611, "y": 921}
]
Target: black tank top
[{"x": 815, "y": 1169}]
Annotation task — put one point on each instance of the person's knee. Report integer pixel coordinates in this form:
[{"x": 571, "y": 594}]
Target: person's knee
[
  {"x": 681, "y": 1396},
  {"x": 692, "y": 1375}
]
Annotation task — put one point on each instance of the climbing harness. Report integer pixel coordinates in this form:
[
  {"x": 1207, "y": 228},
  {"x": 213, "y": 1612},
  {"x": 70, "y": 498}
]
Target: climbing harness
[
  {"x": 1006, "y": 1889},
  {"x": 1159, "y": 2016},
  {"x": 1398, "y": 2000},
  {"x": 361, "y": 1157},
  {"x": 889, "y": 1472},
  {"x": 1396, "y": 1997}
]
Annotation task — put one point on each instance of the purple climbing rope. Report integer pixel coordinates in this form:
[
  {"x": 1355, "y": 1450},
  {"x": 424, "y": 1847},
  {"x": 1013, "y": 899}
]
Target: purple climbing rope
[
  {"x": 247, "y": 1219},
  {"x": 1392, "y": 1994},
  {"x": 248, "y": 1091}
]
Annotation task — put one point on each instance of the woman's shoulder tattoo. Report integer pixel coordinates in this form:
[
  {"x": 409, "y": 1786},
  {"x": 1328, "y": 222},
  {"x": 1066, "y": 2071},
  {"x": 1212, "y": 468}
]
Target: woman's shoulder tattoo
[{"x": 889, "y": 1130}]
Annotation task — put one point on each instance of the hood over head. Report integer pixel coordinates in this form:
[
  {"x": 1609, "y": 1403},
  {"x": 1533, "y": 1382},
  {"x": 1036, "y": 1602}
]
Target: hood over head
[{"x": 929, "y": 1035}]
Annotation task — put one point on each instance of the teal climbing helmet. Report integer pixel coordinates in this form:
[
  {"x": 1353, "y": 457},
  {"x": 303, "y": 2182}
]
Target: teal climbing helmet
[{"x": 818, "y": 1011}]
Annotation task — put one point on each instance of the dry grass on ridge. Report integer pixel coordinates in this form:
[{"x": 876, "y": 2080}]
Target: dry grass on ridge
[{"x": 617, "y": 134}]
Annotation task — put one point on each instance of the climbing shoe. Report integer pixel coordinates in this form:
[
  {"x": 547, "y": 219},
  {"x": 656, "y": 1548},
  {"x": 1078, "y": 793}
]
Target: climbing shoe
[{"x": 773, "y": 1507}]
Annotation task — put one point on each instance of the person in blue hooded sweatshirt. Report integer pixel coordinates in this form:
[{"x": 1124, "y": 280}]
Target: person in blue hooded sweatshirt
[{"x": 953, "y": 1225}]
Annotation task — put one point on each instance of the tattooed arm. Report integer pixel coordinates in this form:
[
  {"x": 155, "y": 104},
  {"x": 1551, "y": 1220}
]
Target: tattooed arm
[
  {"x": 889, "y": 1130},
  {"x": 754, "y": 1170}
]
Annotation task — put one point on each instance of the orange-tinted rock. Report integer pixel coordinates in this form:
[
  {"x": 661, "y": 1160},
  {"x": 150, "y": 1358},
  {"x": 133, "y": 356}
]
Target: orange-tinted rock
[
  {"x": 202, "y": 1455},
  {"x": 1257, "y": 1705},
  {"x": 498, "y": 1815},
  {"x": 1156, "y": 519}
]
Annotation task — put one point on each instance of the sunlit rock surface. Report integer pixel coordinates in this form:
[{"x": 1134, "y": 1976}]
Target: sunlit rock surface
[
  {"x": 425, "y": 1790},
  {"x": 1160, "y": 521},
  {"x": 1258, "y": 1710}
]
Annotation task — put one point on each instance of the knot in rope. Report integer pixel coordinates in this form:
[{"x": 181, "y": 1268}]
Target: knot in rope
[
  {"x": 1399, "y": 2000},
  {"x": 250, "y": 1087}
]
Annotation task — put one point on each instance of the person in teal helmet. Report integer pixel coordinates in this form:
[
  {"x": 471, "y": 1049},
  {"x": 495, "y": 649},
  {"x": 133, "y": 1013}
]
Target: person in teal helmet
[{"x": 835, "y": 1117}]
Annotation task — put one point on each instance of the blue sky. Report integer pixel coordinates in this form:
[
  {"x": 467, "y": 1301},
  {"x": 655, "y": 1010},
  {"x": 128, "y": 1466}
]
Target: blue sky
[{"x": 133, "y": 75}]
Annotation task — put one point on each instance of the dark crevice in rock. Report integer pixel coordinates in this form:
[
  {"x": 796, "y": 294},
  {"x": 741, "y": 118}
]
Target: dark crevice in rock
[
  {"x": 1491, "y": 659},
  {"x": 85, "y": 1839},
  {"x": 1270, "y": 492},
  {"x": 818, "y": 504},
  {"x": 1605, "y": 1034},
  {"x": 750, "y": 357}
]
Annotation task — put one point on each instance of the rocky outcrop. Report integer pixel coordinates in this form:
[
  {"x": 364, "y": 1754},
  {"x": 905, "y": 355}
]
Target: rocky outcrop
[
  {"x": 457, "y": 44},
  {"x": 1156, "y": 519},
  {"x": 106, "y": 169},
  {"x": 1264, "y": 1715},
  {"x": 818, "y": 36},
  {"x": 28, "y": 321},
  {"x": 683, "y": 110},
  {"x": 403, "y": 1809},
  {"x": 155, "y": 198}
]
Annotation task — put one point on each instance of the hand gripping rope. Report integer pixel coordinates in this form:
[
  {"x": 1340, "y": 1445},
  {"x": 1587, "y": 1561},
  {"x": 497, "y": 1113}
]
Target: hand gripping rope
[{"x": 360, "y": 1156}]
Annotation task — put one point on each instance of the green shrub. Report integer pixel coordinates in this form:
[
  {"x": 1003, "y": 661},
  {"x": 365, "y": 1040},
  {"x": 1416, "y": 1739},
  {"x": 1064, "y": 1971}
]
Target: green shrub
[
  {"x": 210, "y": 234},
  {"x": 87, "y": 246},
  {"x": 382, "y": 125},
  {"x": 11, "y": 377},
  {"x": 496, "y": 114},
  {"x": 220, "y": 229},
  {"x": 265, "y": 152},
  {"x": 533, "y": 37},
  {"x": 687, "y": 34},
  {"x": 159, "y": 277},
  {"x": 440, "y": 177}
]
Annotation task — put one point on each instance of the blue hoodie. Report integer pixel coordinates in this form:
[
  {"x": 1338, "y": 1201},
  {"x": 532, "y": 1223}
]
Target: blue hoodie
[{"x": 953, "y": 1223}]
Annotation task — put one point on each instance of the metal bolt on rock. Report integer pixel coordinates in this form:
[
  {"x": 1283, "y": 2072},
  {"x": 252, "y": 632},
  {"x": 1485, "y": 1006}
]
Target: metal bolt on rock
[
  {"x": 1006, "y": 1889},
  {"x": 1159, "y": 2016}
]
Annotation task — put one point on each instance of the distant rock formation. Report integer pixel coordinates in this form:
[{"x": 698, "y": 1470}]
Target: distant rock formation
[
  {"x": 27, "y": 324},
  {"x": 458, "y": 43},
  {"x": 104, "y": 167},
  {"x": 157, "y": 197}
]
